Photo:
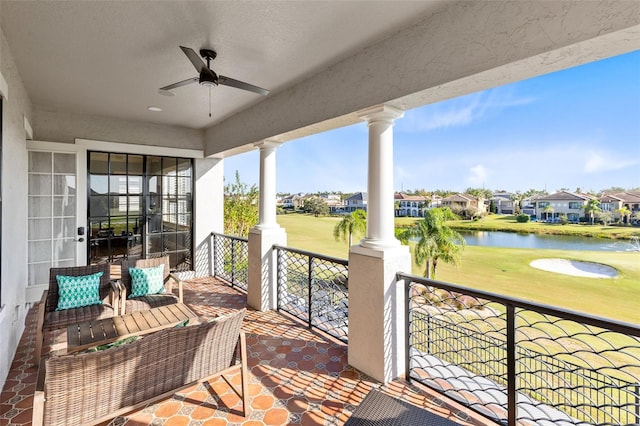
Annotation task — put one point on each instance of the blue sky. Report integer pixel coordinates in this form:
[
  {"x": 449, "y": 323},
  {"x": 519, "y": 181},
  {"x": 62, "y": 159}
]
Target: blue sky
[{"x": 573, "y": 128}]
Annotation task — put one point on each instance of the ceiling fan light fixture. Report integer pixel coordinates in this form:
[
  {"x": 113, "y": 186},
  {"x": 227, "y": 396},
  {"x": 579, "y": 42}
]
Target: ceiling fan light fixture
[
  {"x": 208, "y": 78},
  {"x": 208, "y": 83}
]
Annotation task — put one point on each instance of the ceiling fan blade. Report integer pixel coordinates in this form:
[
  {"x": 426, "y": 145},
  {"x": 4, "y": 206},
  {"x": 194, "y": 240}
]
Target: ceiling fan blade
[
  {"x": 227, "y": 81},
  {"x": 194, "y": 58},
  {"x": 180, "y": 83}
]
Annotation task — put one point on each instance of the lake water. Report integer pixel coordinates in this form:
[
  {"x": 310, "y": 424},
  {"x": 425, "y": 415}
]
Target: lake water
[{"x": 540, "y": 241}]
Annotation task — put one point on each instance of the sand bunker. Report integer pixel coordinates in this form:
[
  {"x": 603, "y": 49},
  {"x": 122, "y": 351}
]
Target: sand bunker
[{"x": 575, "y": 267}]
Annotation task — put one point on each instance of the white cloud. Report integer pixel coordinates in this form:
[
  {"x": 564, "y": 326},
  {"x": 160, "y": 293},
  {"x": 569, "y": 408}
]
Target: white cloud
[
  {"x": 477, "y": 175},
  {"x": 596, "y": 162},
  {"x": 462, "y": 111}
]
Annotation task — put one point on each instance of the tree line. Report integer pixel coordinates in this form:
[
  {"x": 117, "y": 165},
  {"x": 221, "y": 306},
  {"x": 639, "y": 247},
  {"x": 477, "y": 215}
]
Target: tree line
[{"x": 434, "y": 240}]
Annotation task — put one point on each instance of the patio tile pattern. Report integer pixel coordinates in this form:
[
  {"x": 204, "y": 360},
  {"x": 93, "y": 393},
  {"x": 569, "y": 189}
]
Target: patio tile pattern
[{"x": 297, "y": 376}]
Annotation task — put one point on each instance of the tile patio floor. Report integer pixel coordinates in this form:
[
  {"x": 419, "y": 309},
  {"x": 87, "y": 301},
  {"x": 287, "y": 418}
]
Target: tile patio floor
[{"x": 297, "y": 377}]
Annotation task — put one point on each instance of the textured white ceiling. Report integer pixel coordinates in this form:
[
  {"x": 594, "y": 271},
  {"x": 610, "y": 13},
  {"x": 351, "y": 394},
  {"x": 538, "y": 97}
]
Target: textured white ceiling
[{"x": 109, "y": 58}]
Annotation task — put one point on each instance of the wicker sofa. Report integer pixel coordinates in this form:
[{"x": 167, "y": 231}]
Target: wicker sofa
[{"x": 89, "y": 388}]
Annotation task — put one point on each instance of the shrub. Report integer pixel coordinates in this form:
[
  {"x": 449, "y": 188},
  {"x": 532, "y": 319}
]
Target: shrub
[{"x": 523, "y": 218}]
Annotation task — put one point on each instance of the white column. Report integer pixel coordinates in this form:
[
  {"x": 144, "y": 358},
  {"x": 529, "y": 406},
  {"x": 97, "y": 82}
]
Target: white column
[
  {"x": 262, "y": 286},
  {"x": 267, "y": 207},
  {"x": 380, "y": 213},
  {"x": 376, "y": 302},
  {"x": 208, "y": 210}
]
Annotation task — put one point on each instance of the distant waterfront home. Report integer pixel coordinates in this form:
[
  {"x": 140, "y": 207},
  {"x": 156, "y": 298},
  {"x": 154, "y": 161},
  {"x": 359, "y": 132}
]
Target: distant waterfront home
[
  {"x": 464, "y": 203},
  {"x": 355, "y": 202},
  {"x": 503, "y": 203},
  {"x": 334, "y": 202},
  {"x": 410, "y": 205},
  {"x": 528, "y": 206},
  {"x": 571, "y": 204},
  {"x": 293, "y": 202},
  {"x": 616, "y": 201}
]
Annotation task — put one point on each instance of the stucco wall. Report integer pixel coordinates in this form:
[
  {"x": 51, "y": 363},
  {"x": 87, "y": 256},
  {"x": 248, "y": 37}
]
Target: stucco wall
[
  {"x": 53, "y": 126},
  {"x": 15, "y": 108},
  {"x": 208, "y": 209}
]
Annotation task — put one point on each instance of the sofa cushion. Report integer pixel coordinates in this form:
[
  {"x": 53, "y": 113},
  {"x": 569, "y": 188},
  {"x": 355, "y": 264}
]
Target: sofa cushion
[
  {"x": 60, "y": 319},
  {"x": 78, "y": 291},
  {"x": 146, "y": 280}
]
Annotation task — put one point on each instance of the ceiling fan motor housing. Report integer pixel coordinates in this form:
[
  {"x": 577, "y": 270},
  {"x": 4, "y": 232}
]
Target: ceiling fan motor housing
[{"x": 208, "y": 78}]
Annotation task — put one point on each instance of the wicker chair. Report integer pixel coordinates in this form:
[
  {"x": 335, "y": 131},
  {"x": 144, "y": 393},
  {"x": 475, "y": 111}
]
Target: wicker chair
[
  {"x": 150, "y": 300},
  {"x": 90, "y": 388},
  {"x": 50, "y": 319}
]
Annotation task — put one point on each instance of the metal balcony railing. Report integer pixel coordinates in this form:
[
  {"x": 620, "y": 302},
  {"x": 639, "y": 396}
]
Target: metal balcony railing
[
  {"x": 230, "y": 257},
  {"x": 518, "y": 362},
  {"x": 314, "y": 288}
]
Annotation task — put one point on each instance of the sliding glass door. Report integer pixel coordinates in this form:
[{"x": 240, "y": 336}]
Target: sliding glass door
[{"x": 139, "y": 207}]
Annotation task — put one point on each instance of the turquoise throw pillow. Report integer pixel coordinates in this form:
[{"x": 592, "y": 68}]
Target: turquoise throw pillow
[
  {"x": 78, "y": 291},
  {"x": 146, "y": 281},
  {"x": 115, "y": 344}
]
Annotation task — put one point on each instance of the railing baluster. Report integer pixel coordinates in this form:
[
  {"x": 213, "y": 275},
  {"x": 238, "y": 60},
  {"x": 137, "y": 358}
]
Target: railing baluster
[
  {"x": 511, "y": 366},
  {"x": 233, "y": 262},
  {"x": 279, "y": 284},
  {"x": 408, "y": 329},
  {"x": 215, "y": 254},
  {"x": 637, "y": 403},
  {"x": 309, "y": 281}
]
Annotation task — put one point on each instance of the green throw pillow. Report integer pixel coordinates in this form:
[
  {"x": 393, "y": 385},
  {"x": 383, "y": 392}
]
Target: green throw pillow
[
  {"x": 182, "y": 324},
  {"x": 78, "y": 291},
  {"x": 146, "y": 281},
  {"x": 115, "y": 344}
]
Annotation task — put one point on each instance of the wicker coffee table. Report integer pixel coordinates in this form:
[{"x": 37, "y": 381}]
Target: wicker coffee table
[{"x": 100, "y": 332}]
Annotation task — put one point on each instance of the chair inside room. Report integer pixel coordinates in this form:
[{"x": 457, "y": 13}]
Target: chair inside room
[
  {"x": 51, "y": 318},
  {"x": 131, "y": 303}
]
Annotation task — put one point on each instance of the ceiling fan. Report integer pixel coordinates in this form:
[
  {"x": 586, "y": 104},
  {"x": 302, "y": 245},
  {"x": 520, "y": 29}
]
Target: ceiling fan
[{"x": 209, "y": 78}]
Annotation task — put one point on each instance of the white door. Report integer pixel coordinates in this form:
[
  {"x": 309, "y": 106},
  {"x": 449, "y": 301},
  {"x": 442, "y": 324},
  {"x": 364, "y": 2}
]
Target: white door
[{"x": 56, "y": 211}]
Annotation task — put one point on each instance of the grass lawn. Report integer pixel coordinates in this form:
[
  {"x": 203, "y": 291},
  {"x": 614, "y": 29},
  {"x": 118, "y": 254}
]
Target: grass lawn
[
  {"x": 314, "y": 234},
  {"x": 507, "y": 271}
]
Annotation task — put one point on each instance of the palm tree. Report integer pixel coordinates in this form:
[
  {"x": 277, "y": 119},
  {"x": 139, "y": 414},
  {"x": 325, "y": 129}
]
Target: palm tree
[
  {"x": 436, "y": 241},
  {"x": 591, "y": 208},
  {"x": 396, "y": 208},
  {"x": 548, "y": 210},
  {"x": 517, "y": 201},
  {"x": 354, "y": 222},
  {"x": 624, "y": 212}
]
